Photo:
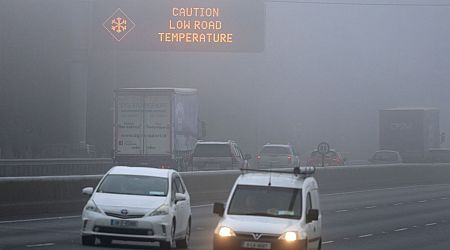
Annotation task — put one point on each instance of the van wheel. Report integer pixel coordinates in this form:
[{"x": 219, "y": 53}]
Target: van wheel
[
  {"x": 88, "y": 240},
  {"x": 184, "y": 243}
]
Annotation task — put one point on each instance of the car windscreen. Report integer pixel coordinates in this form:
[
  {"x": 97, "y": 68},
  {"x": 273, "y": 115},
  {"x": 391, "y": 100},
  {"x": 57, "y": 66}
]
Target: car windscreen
[
  {"x": 134, "y": 185},
  {"x": 385, "y": 156},
  {"x": 267, "y": 201},
  {"x": 212, "y": 150},
  {"x": 272, "y": 150}
]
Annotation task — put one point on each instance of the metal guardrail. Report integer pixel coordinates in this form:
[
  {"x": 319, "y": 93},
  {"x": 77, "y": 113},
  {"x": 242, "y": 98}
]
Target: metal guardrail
[{"x": 43, "y": 196}]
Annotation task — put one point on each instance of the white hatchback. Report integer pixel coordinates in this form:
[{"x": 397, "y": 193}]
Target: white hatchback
[
  {"x": 271, "y": 210},
  {"x": 138, "y": 204}
]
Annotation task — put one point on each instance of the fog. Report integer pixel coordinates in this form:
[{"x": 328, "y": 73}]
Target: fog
[{"x": 324, "y": 73}]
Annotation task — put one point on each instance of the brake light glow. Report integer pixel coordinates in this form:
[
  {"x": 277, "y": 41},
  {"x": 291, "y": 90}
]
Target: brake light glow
[{"x": 258, "y": 157}]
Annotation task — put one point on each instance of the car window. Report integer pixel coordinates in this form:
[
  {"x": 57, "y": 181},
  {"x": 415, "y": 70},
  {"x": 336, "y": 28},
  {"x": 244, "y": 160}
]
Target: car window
[
  {"x": 179, "y": 185},
  {"x": 212, "y": 150},
  {"x": 266, "y": 201},
  {"x": 274, "y": 150},
  {"x": 134, "y": 185}
]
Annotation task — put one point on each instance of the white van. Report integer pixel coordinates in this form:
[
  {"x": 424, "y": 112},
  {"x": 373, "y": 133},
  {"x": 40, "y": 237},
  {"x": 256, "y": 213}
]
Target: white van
[{"x": 271, "y": 210}]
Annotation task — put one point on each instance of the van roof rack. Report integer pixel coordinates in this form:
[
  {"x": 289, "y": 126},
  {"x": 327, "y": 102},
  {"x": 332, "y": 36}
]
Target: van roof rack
[{"x": 297, "y": 171}]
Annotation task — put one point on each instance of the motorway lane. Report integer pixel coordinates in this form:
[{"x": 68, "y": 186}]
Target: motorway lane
[{"x": 414, "y": 217}]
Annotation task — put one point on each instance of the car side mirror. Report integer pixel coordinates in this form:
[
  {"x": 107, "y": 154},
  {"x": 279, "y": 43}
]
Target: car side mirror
[
  {"x": 219, "y": 209},
  {"x": 180, "y": 197},
  {"x": 312, "y": 215},
  {"x": 247, "y": 157},
  {"x": 88, "y": 191}
]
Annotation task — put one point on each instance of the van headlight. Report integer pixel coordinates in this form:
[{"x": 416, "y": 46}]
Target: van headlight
[
  {"x": 90, "y": 206},
  {"x": 226, "y": 232},
  {"x": 161, "y": 210},
  {"x": 292, "y": 236}
]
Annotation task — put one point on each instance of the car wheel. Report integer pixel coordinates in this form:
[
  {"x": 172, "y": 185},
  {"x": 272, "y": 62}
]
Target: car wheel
[
  {"x": 167, "y": 245},
  {"x": 184, "y": 243},
  {"x": 88, "y": 240}
]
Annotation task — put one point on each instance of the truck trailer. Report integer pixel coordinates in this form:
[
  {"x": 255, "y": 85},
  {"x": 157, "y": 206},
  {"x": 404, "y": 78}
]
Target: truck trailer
[
  {"x": 410, "y": 131},
  {"x": 155, "y": 127}
]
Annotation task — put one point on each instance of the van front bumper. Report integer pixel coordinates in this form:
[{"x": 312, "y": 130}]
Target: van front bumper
[{"x": 237, "y": 242}]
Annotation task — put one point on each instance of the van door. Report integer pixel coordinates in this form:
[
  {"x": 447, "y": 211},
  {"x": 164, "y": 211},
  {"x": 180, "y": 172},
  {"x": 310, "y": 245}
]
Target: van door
[{"x": 313, "y": 226}]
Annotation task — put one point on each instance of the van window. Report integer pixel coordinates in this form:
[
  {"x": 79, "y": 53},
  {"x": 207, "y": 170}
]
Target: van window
[{"x": 212, "y": 150}]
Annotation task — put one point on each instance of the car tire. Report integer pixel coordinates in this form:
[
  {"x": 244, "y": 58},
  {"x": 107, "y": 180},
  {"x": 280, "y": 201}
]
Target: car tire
[
  {"x": 87, "y": 240},
  {"x": 167, "y": 245},
  {"x": 184, "y": 243}
]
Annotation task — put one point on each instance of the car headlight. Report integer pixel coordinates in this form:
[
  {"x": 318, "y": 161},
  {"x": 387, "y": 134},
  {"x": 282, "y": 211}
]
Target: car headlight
[
  {"x": 161, "y": 210},
  {"x": 90, "y": 206},
  {"x": 292, "y": 236},
  {"x": 226, "y": 232}
]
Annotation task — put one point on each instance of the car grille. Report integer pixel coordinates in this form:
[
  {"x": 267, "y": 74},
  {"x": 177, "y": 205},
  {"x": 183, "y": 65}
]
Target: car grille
[
  {"x": 128, "y": 216},
  {"x": 131, "y": 231}
]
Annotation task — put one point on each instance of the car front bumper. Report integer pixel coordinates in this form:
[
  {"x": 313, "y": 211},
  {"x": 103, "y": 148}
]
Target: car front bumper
[{"x": 147, "y": 228}]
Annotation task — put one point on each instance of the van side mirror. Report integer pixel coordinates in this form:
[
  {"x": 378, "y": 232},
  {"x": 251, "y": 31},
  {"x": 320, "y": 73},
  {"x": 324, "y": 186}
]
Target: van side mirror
[
  {"x": 247, "y": 156},
  {"x": 88, "y": 191},
  {"x": 313, "y": 214},
  {"x": 219, "y": 209}
]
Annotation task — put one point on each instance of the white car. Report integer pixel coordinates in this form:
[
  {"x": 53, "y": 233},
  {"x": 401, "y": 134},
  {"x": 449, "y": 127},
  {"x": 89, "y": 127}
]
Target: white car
[
  {"x": 277, "y": 156},
  {"x": 138, "y": 204},
  {"x": 271, "y": 210}
]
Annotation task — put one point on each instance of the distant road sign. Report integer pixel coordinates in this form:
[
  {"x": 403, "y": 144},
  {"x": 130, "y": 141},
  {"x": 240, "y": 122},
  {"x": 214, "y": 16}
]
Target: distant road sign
[{"x": 323, "y": 148}]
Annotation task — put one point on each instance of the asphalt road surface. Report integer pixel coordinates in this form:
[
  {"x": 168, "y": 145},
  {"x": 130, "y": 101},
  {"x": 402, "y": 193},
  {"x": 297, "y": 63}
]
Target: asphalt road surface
[{"x": 413, "y": 217}]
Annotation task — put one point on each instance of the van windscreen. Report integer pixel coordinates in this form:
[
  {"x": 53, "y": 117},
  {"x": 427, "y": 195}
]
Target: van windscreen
[{"x": 212, "y": 150}]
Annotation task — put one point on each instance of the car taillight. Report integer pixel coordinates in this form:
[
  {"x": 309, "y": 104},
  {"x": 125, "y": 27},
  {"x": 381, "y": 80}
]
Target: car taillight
[
  {"x": 290, "y": 158},
  {"x": 258, "y": 157}
]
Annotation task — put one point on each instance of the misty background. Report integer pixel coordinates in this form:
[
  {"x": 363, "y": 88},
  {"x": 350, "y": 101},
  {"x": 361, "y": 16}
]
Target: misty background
[{"x": 325, "y": 71}]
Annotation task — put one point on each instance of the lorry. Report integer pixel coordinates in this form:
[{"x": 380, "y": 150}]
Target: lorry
[
  {"x": 156, "y": 127},
  {"x": 410, "y": 131}
]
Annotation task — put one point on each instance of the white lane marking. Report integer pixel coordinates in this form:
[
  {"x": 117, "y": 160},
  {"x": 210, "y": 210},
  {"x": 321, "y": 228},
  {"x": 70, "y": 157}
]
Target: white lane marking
[
  {"x": 444, "y": 198},
  {"x": 401, "y": 229},
  {"x": 384, "y": 189},
  {"x": 370, "y": 207},
  {"x": 430, "y": 224},
  {"x": 397, "y": 204},
  {"x": 41, "y": 245},
  {"x": 341, "y": 211},
  {"x": 327, "y": 242},
  {"x": 41, "y": 219},
  {"x": 422, "y": 201},
  {"x": 365, "y": 235}
]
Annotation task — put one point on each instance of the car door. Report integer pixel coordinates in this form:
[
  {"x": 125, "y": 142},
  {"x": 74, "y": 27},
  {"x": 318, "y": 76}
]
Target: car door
[
  {"x": 178, "y": 210},
  {"x": 182, "y": 207}
]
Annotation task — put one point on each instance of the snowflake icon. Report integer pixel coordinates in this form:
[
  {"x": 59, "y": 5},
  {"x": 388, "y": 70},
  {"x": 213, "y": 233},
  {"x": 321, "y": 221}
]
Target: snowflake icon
[{"x": 119, "y": 25}]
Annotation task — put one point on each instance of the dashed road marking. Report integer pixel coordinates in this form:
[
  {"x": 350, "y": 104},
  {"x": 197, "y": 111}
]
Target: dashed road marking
[
  {"x": 328, "y": 242},
  {"x": 430, "y": 224},
  {"x": 401, "y": 229},
  {"x": 370, "y": 207},
  {"x": 41, "y": 219},
  {"x": 341, "y": 211},
  {"x": 398, "y": 204},
  {"x": 41, "y": 245},
  {"x": 422, "y": 201},
  {"x": 365, "y": 235}
]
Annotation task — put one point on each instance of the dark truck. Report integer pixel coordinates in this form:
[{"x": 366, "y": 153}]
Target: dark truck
[
  {"x": 410, "y": 131},
  {"x": 155, "y": 127}
]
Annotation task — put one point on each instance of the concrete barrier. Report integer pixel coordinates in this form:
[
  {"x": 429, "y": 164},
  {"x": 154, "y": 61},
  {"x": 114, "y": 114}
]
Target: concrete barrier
[
  {"x": 44, "y": 196},
  {"x": 54, "y": 167}
]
